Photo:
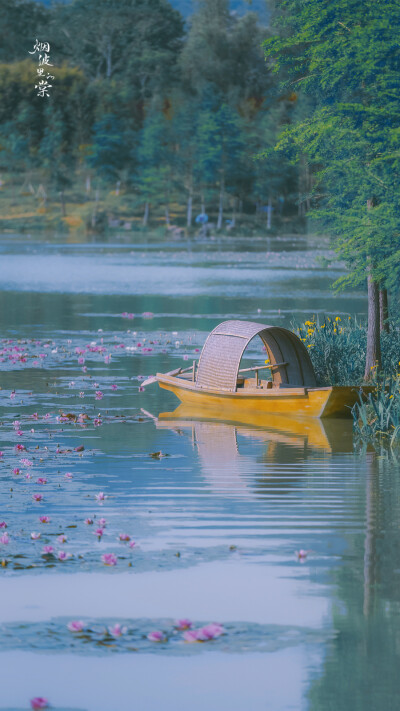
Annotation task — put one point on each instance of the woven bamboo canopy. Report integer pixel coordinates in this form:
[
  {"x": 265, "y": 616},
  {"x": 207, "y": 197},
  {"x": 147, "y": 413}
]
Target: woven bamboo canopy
[{"x": 222, "y": 352}]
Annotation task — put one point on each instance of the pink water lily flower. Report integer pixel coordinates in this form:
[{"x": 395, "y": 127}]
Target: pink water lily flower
[
  {"x": 89, "y": 521},
  {"x": 75, "y": 626},
  {"x": 35, "y": 536},
  {"x": 190, "y": 636},
  {"x": 37, "y": 497},
  {"x": 114, "y": 387},
  {"x": 4, "y": 539},
  {"x": 26, "y": 462},
  {"x": 100, "y": 496},
  {"x": 48, "y": 550},
  {"x": 204, "y": 634},
  {"x": 117, "y": 630},
  {"x": 3, "y": 524},
  {"x": 16, "y": 471},
  {"x": 210, "y": 631},
  {"x": 44, "y": 519},
  {"x": 62, "y": 538},
  {"x": 124, "y": 537},
  {"x": 99, "y": 532},
  {"x": 302, "y": 555},
  {"x": 19, "y": 448},
  {"x": 39, "y": 702},
  {"x": 183, "y": 624},
  {"x": 62, "y": 555},
  {"x": 156, "y": 636},
  {"x": 132, "y": 544},
  {"x": 109, "y": 559},
  {"x": 42, "y": 480},
  {"x": 68, "y": 475},
  {"x": 28, "y": 476},
  {"x": 97, "y": 422},
  {"x": 99, "y": 395},
  {"x": 102, "y": 522}
]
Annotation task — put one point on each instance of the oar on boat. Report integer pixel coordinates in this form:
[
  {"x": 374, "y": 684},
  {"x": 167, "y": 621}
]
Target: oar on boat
[{"x": 177, "y": 371}]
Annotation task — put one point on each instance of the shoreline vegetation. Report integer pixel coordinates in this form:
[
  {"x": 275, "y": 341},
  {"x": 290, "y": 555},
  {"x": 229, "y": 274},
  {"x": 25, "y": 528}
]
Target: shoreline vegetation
[
  {"x": 151, "y": 120},
  {"x": 337, "y": 349},
  {"x": 27, "y": 206}
]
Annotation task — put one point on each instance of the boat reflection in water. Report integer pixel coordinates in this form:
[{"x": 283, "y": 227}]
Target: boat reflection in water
[
  {"x": 219, "y": 435},
  {"x": 227, "y": 463}
]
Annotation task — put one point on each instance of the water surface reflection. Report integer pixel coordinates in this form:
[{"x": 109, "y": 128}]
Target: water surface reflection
[{"x": 217, "y": 520}]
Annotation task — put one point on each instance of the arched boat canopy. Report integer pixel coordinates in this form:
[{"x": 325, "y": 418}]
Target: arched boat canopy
[{"x": 222, "y": 352}]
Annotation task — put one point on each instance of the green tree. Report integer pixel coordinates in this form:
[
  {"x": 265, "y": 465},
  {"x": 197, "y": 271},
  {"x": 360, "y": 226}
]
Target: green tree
[
  {"x": 22, "y": 22},
  {"x": 346, "y": 57},
  {"x": 108, "y": 153},
  {"x": 184, "y": 128},
  {"x": 224, "y": 52},
  {"x": 220, "y": 151},
  {"x": 155, "y": 162},
  {"x": 137, "y": 40}
]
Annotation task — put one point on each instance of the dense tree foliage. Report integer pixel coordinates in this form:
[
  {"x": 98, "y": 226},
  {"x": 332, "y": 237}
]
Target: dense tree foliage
[
  {"x": 345, "y": 56},
  {"x": 172, "y": 113}
]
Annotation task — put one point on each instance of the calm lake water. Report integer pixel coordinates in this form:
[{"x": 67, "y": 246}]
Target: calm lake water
[{"x": 216, "y": 510}]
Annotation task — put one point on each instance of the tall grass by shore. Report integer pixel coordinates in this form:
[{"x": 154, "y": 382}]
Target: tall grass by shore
[{"x": 337, "y": 349}]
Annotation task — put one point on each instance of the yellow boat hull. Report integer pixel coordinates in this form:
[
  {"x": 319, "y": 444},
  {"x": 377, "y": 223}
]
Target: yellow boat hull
[{"x": 333, "y": 401}]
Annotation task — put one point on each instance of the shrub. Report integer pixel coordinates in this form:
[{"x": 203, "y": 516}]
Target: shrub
[{"x": 338, "y": 349}]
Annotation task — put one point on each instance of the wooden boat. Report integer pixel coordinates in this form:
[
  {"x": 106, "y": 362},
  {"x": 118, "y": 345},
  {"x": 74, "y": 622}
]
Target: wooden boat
[{"x": 219, "y": 384}]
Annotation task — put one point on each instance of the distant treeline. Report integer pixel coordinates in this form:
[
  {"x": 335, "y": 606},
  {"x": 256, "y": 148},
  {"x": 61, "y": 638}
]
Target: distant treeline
[{"x": 149, "y": 106}]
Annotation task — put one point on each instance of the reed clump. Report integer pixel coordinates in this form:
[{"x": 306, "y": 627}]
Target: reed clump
[
  {"x": 376, "y": 417},
  {"x": 337, "y": 348}
]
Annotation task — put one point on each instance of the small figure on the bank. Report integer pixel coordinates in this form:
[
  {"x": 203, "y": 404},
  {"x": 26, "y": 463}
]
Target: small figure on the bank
[{"x": 201, "y": 219}]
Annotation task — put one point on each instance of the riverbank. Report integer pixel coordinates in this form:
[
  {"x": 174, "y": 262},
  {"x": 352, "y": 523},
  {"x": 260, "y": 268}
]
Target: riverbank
[{"x": 27, "y": 205}]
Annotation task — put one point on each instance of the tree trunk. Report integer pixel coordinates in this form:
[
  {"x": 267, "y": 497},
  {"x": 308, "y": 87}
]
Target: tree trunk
[
  {"x": 108, "y": 59},
  {"x": 167, "y": 220},
  {"x": 234, "y": 213},
  {"x": 88, "y": 184},
  {"x": 384, "y": 310},
  {"x": 117, "y": 187},
  {"x": 373, "y": 358},
  {"x": 203, "y": 205},
  {"x": 146, "y": 215},
  {"x": 63, "y": 210},
  {"x": 269, "y": 213},
  {"x": 189, "y": 209},
  {"x": 221, "y": 206},
  {"x": 308, "y": 185},
  {"x": 94, "y": 213}
]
